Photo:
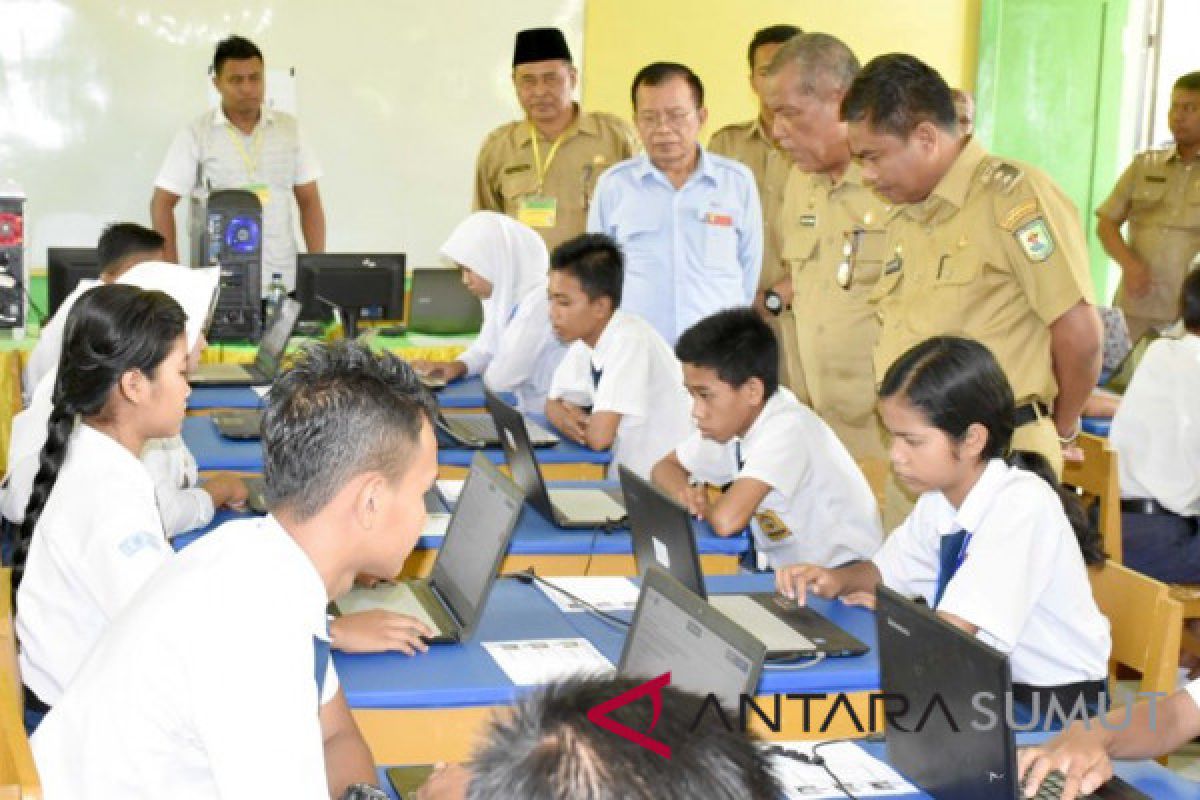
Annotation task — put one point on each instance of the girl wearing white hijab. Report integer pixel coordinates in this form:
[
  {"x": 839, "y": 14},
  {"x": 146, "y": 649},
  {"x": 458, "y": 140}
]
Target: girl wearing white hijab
[{"x": 504, "y": 264}]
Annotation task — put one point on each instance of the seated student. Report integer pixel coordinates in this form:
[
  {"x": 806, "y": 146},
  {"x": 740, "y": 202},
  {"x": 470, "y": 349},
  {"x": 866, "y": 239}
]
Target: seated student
[
  {"x": 619, "y": 386},
  {"x": 121, "y": 246},
  {"x": 791, "y": 480},
  {"x": 216, "y": 681},
  {"x": 504, "y": 264},
  {"x": 1156, "y": 433},
  {"x": 548, "y": 749},
  {"x": 993, "y": 544},
  {"x": 1085, "y": 751}
]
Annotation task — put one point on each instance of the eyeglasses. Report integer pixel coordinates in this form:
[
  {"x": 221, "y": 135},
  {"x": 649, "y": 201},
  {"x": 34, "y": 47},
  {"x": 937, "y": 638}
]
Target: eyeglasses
[{"x": 672, "y": 119}]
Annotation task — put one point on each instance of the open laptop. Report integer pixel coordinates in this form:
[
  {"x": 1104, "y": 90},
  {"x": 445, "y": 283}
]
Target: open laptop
[
  {"x": 238, "y": 423},
  {"x": 439, "y": 303},
  {"x": 266, "y": 362},
  {"x": 663, "y": 537},
  {"x": 1118, "y": 382},
  {"x": 451, "y": 600},
  {"x": 566, "y": 508},
  {"x": 478, "y": 431},
  {"x": 256, "y": 496},
  {"x": 932, "y": 664}
]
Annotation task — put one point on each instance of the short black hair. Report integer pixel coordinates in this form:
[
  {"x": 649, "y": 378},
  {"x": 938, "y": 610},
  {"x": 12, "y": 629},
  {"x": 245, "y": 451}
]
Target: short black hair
[
  {"x": 772, "y": 34},
  {"x": 1189, "y": 82},
  {"x": 660, "y": 72},
  {"x": 548, "y": 749},
  {"x": 1189, "y": 302},
  {"x": 121, "y": 240},
  {"x": 336, "y": 412},
  {"x": 596, "y": 262},
  {"x": 896, "y": 92},
  {"x": 234, "y": 48},
  {"x": 737, "y": 344}
]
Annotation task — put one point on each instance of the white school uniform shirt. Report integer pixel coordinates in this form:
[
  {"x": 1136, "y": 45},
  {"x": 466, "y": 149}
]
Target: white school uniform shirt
[
  {"x": 516, "y": 350},
  {"x": 818, "y": 494},
  {"x": 1023, "y": 582},
  {"x": 641, "y": 379},
  {"x": 44, "y": 358},
  {"x": 1156, "y": 430},
  {"x": 183, "y": 505},
  {"x": 98, "y": 540},
  {"x": 1193, "y": 690},
  {"x": 205, "y": 686}
]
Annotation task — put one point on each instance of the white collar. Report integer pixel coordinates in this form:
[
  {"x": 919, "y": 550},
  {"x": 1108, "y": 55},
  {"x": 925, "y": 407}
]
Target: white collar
[
  {"x": 605, "y": 343},
  {"x": 776, "y": 403},
  {"x": 978, "y": 502},
  {"x": 220, "y": 120},
  {"x": 296, "y": 564}
]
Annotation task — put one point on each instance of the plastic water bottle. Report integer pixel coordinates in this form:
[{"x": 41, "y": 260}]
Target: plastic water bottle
[{"x": 276, "y": 291}]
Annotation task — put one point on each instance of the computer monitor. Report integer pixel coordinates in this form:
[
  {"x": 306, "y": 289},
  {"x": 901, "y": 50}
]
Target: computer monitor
[
  {"x": 65, "y": 268},
  {"x": 362, "y": 285}
]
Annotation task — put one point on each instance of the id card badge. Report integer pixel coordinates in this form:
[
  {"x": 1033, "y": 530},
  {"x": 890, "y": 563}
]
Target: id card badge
[
  {"x": 261, "y": 190},
  {"x": 538, "y": 211}
]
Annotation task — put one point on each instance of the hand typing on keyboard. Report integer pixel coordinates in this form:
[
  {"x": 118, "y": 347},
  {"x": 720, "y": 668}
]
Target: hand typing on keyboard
[{"x": 1071, "y": 765}]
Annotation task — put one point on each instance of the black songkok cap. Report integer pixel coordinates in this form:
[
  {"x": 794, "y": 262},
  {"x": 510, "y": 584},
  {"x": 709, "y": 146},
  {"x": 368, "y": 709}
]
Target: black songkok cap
[{"x": 540, "y": 44}]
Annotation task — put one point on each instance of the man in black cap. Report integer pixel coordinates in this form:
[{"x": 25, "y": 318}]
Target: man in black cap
[{"x": 541, "y": 170}]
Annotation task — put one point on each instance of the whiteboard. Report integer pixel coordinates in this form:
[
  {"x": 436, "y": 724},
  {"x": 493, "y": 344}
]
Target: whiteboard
[{"x": 394, "y": 96}]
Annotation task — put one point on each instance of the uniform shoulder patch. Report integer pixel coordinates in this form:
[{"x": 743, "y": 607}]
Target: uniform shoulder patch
[
  {"x": 1035, "y": 239},
  {"x": 1003, "y": 176},
  {"x": 1018, "y": 214}
]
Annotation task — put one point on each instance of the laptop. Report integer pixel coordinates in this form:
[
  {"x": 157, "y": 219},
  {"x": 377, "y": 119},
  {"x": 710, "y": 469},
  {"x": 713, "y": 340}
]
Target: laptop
[
  {"x": 256, "y": 496},
  {"x": 478, "y": 431},
  {"x": 1118, "y": 382},
  {"x": 266, "y": 362},
  {"x": 451, "y": 600},
  {"x": 439, "y": 303},
  {"x": 932, "y": 664},
  {"x": 566, "y": 508},
  {"x": 238, "y": 423},
  {"x": 663, "y": 537}
]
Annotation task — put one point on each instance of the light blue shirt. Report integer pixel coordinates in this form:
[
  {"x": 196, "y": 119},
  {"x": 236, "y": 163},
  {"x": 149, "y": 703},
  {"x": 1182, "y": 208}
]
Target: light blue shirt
[{"x": 688, "y": 252}]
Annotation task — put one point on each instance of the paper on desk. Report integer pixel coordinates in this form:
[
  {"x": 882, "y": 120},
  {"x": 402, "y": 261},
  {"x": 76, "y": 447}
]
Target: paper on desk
[
  {"x": 533, "y": 662},
  {"x": 261, "y": 391},
  {"x": 450, "y": 490},
  {"x": 436, "y": 523},
  {"x": 862, "y": 774},
  {"x": 604, "y": 592}
]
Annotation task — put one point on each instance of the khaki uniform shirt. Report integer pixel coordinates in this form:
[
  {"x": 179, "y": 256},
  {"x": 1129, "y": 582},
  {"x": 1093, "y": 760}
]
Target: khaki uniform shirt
[
  {"x": 1159, "y": 194},
  {"x": 837, "y": 326},
  {"x": 506, "y": 173}
]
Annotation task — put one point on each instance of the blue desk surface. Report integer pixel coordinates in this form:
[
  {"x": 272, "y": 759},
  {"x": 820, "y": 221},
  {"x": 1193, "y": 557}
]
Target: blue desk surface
[
  {"x": 464, "y": 393},
  {"x": 213, "y": 451},
  {"x": 465, "y": 675},
  {"x": 1098, "y": 426}
]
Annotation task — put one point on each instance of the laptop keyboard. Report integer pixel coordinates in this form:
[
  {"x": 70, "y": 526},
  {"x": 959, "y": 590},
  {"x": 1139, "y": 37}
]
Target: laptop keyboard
[
  {"x": 586, "y": 505},
  {"x": 483, "y": 429},
  {"x": 1115, "y": 789},
  {"x": 400, "y": 598},
  {"x": 776, "y": 634}
]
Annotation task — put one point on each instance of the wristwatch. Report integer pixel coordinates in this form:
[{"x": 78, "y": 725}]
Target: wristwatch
[
  {"x": 772, "y": 301},
  {"x": 364, "y": 791}
]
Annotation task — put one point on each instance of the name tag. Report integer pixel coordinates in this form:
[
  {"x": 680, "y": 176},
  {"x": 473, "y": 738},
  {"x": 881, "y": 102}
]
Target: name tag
[
  {"x": 808, "y": 220},
  {"x": 1156, "y": 178},
  {"x": 537, "y": 211},
  {"x": 722, "y": 220}
]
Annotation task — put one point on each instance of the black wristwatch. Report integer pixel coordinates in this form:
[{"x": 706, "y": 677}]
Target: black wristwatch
[
  {"x": 773, "y": 302},
  {"x": 364, "y": 791}
]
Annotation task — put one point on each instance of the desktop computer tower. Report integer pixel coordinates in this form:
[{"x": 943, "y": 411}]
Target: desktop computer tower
[
  {"x": 12, "y": 257},
  {"x": 232, "y": 238}
]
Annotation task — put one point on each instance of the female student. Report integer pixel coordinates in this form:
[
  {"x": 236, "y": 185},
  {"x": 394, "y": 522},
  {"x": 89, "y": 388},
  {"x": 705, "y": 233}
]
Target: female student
[
  {"x": 504, "y": 264},
  {"x": 992, "y": 546}
]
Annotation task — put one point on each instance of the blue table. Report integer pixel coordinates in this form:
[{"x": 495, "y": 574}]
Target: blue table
[
  {"x": 427, "y": 708},
  {"x": 1098, "y": 426},
  {"x": 565, "y": 461},
  {"x": 463, "y": 393}
]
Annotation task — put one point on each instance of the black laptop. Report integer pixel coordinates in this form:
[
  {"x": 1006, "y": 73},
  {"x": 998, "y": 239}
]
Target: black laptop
[
  {"x": 439, "y": 303},
  {"x": 477, "y": 431},
  {"x": 931, "y": 664},
  {"x": 267, "y": 360},
  {"x": 451, "y": 600},
  {"x": 663, "y": 537}
]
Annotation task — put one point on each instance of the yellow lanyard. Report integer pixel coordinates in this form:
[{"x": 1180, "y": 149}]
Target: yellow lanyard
[
  {"x": 541, "y": 168},
  {"x": 256, "y": 143}
]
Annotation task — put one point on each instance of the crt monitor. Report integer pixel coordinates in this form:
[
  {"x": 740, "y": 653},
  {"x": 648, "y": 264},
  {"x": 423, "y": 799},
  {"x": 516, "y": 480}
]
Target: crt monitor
[
  {"x": 362, "y": 285},
  {"x": 65, "y": 268}
]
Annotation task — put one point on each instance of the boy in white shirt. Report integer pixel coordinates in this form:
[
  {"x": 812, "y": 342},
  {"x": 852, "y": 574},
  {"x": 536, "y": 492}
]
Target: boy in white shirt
[
  {"x": 791, "y": 479},
  {"x": 619, "y": 386}
]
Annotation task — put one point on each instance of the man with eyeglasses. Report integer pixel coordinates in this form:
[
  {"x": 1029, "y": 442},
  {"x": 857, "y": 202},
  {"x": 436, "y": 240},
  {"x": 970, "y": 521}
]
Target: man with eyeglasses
[
  {"x": 541, "y": 170},
  {"x": 688, "y": 221}
]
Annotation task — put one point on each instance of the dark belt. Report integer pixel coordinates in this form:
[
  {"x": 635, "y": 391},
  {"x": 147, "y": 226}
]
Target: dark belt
[
  {"x": 33, "y": 702},
  {"x": 1030, "y": 412},
  {"x": 1144, "y": 505}
]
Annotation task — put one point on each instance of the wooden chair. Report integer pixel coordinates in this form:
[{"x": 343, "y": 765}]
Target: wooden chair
[
  {"x": 18, "y": 776},
  {"x": 1096, "y": 480},
  {"x": 1188, "y": 596}
]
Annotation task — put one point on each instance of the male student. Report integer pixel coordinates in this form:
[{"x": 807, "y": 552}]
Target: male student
[
  {"x": 619, "y": 386},
  {"x": 122, "y": 245},
  {"x": 216, "y": 681},
  {"x": 790, "y": 478}
]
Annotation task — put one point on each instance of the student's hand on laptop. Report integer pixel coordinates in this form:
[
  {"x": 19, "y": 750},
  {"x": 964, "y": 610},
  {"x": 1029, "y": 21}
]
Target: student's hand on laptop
[
  {"x": 795, "y": 581},
  {"x": 1079, "y": 754},
  {"x": 378, "y": 631},
  {"x": 448, "y": 782},
  {"x": 226, "y": 489}
]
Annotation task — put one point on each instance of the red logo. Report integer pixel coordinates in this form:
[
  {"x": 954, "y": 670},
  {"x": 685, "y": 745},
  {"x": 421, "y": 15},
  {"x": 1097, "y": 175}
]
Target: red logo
[{"x": 653, "y": 687}]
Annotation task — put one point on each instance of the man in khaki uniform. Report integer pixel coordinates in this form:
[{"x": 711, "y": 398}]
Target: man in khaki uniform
[
  {"x": 833, "y": 240},
  {"x": 1159, "y": 195},
  {"x": 753, "y": 144},
  {"x": 541, "y": 170},
  {"x": 984, "y": 247}
]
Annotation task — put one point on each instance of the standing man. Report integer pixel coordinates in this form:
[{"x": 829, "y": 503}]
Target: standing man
[
  {"x": 1159, "y": 196},
  {"x": 753, "y": 144},
  {"x": 542, "y": 169},
  {"x": 984, "y": 247},
  {"x": 834, "y": 239},
  {"x": 243, "y": 145},
  {"x": 688, "y": 221}
]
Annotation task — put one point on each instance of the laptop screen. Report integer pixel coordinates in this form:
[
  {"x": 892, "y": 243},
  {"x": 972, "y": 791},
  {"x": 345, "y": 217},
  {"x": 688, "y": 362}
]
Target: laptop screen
[
  {"x": 662, "y": 532},
  {"x": 675, "y": 631},
  {"x": 476, "y": 541},
  {"x": 275, "y": 338},
  {"x": 518, "y": 452},
  {"x": 1119, "y": 380},
  {"x": 439, "y": 303}
]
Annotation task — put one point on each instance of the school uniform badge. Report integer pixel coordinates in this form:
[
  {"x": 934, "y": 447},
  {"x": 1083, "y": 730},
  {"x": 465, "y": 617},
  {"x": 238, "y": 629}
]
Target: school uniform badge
[
  {"x": 1035, "y": 239},
  {"x": 772, "y": 526}
]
